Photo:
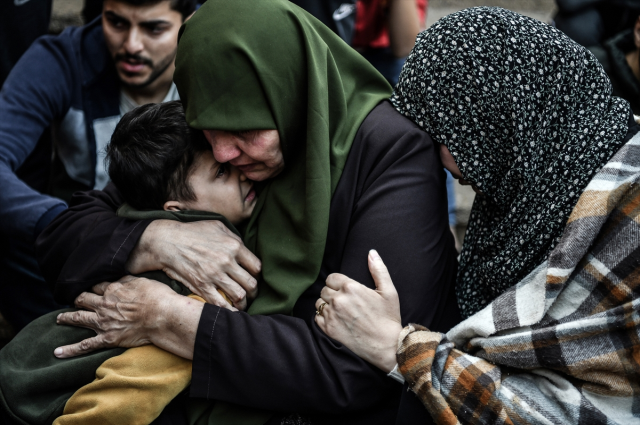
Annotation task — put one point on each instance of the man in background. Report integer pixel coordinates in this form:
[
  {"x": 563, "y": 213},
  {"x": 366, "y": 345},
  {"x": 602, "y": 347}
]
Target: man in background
[{"x": 76, "y": 85}]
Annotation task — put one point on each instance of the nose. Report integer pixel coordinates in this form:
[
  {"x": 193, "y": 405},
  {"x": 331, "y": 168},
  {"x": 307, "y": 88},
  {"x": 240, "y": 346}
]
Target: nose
[
  {"x": 223, "y": 145},
  {"x": 133, "y": 43}
]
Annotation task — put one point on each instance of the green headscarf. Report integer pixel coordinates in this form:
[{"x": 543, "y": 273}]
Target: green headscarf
[{"x": 257, "y": 64}]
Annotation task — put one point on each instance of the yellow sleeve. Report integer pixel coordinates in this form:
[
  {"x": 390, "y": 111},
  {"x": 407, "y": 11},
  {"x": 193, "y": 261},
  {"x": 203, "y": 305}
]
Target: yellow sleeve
[{"x": 132, "y": 388}]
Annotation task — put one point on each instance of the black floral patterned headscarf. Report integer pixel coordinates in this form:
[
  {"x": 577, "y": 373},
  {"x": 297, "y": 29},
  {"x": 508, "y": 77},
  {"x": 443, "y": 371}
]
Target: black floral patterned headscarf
[{"x": 529, "y": 118}]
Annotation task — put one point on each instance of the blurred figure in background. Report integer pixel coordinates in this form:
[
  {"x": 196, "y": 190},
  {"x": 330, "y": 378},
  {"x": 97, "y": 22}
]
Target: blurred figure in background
[
  {"x": 620, "y": 58},
  {"x": 386, "y": 31},
  {"x": 590, "y": 22},
  {"x": 21, "y": 22}
]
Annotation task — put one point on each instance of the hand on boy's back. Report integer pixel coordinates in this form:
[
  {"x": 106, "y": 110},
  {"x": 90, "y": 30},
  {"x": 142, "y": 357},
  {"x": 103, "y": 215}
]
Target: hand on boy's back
[{"x": 204, "y": 255}]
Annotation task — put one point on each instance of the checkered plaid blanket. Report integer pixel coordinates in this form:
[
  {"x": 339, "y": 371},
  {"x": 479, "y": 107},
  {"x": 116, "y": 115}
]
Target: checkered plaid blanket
[{"x": 563, "y": 345}]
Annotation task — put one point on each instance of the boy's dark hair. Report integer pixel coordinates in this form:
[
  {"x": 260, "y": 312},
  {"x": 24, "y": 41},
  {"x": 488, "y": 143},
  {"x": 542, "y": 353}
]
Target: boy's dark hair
[
  {"x": 185, "y": 7},
  {"x": 151, "y": 154}
]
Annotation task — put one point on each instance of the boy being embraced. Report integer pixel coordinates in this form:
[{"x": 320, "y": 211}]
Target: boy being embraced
[
  {"x": 164, "y": 169},
  {"x": 158, "y": 163}
]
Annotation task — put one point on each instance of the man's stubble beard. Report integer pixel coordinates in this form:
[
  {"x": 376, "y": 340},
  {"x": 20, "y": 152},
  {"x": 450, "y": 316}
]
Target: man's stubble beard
[{"x": 155, "y": 73}]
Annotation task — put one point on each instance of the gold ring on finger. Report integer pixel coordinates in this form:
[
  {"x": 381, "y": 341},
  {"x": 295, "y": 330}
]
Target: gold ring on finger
[{"x": 319, "y": 310}]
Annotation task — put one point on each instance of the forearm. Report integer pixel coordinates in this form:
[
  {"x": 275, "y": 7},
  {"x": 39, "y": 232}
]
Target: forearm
[
  {"x": 29, "y": 104},
  {"x": 87, "y": 244},
  {"x": 453, "y": 384},
  {"x": 404, "y": 26},
  {"x": 291, "y": 366},
  {"x": 23, "y": 211},
  {"x": 178, "y": 320},
  {"x": 146, "y": 255}
]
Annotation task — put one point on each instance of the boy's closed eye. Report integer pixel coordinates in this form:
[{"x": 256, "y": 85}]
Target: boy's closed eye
[
  {"x": 218, "y": 188},
  {"x": 222, "y": 170}
]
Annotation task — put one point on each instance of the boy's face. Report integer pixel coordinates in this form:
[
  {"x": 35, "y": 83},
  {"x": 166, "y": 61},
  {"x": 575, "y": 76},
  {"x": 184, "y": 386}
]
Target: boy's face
[{"x": 219, "y": 188}]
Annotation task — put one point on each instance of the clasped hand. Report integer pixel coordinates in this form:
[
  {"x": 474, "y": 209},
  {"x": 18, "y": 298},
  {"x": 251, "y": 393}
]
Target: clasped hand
[
  {"x": 204, "y": 256},
  {"x": 122, "y": 313},
  {"x": 366, "y": 321}
]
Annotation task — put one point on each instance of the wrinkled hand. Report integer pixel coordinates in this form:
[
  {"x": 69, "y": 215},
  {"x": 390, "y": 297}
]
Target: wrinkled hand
[
  {"x": 367, "y": 321},
  {"x": 123, "y": 314},
  {"x": 204, "y": 256}
]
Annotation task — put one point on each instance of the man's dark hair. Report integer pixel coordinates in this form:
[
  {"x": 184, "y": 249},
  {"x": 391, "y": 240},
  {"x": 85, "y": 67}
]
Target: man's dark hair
[
  {"x": 151, "y": 154},
  {"x": 185, "y": 7}
]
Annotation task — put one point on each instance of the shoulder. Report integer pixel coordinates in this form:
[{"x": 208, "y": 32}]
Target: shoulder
[
  {"x": 386, "y": 141},
  {"x": 80, "y": 51},
  {"x": 385, "y": 127}
]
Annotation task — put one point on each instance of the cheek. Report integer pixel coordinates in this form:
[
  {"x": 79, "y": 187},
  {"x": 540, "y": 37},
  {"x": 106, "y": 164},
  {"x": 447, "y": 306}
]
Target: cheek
[
  {"x": 114, "y": 41},
  {"x": 277, "y": 160},
  {"x": 160, "y": 48}
]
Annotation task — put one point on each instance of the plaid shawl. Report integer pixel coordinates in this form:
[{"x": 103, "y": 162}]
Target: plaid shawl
[{"x": 561, "y": 346}]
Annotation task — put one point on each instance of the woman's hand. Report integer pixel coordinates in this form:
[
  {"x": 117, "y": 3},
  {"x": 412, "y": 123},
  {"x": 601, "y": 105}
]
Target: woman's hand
[
  {"x": 366, "y": 321},
  {"x": 133, "y": 312},
  {"x": 204, "y": 256}
]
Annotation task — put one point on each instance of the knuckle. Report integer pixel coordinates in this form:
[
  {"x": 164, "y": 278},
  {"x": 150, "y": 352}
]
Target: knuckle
[
  {"x": 350, "y": 286},
  {"x": 85, "y": 345},
  {"x": 234, "y": 245},
  {"x": 237, "y": 295},
  {"x": 252, "y": 284},
  {"x": 114, "y": 287},
  {"x": 216, "y": 278},
  {"x": 224, "y": 261},
  {"x": 75, "y": 317},
  {"x": 337, "y": 303}
]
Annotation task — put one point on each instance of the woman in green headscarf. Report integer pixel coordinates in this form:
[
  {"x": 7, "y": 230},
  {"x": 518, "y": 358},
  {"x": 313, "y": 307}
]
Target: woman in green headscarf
[{"x": 285, "y": 100}]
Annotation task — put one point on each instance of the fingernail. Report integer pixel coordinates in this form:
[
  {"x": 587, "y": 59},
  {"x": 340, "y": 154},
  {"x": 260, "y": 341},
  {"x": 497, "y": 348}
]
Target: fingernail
[
  {"x": 58, "y": 352},
  {"x": 58, "y": 318},
  {"x": 374, "y": 255}
]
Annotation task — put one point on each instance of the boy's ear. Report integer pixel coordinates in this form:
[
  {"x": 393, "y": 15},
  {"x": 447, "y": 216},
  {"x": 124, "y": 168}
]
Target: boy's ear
[{"x": 173, "y": 206}]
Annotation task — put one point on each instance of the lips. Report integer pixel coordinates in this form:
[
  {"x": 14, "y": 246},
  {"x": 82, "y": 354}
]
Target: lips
[
  {"x": 132, "y": 67},
  {"x": 250, "y": 196}
]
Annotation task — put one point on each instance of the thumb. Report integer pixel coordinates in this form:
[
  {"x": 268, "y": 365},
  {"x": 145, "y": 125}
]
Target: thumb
[{"x": 380, "y": 274}]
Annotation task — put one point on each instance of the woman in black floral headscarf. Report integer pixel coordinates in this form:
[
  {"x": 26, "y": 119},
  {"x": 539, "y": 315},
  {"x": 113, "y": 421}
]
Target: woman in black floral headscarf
[
  {"x": 529, "y": 119},
  {"x": 548, "y": 277}
]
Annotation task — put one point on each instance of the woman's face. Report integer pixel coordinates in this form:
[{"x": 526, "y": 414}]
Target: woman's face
[
  {"x": 256, "y": 153},
  {"x": 450, "y": 164}
]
